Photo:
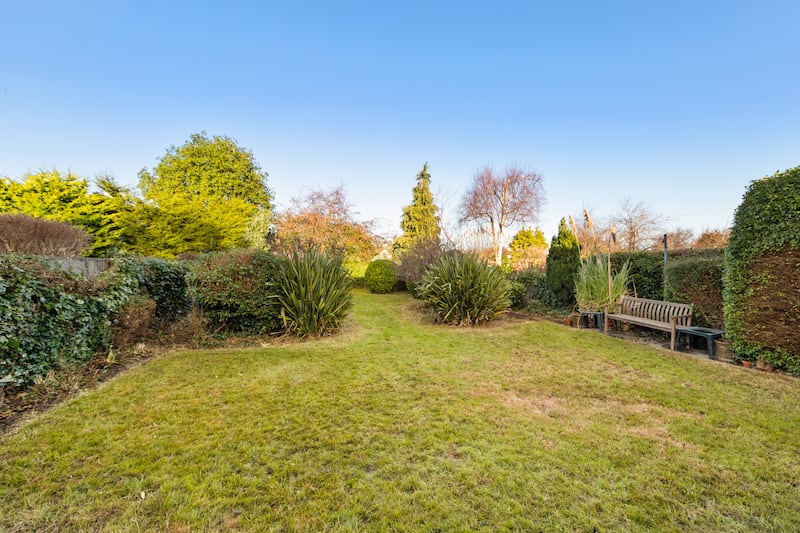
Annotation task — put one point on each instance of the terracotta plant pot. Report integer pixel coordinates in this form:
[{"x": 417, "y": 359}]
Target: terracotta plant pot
[{"x": 747, "y": 364}]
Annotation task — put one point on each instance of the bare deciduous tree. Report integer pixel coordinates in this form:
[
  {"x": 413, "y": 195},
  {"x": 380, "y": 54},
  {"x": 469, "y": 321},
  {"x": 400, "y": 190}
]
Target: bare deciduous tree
[
  {"x": 677, "y": 239},
  {"x": 637, "y": 225},
  {"x": 498, "y": 201}
]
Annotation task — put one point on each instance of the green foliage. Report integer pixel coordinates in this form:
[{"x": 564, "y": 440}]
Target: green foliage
[
  {"x": 202, "y": 195},
  {"x": 563, "y": 262},
  {"x": 696, "y": 278},
  {"x": 52, "y": 319},
  {"x": 420, "y": 220},
  {"x": 597, "y": 288},
  {"x": 314, "y": 292},
  {"x": 645, "y": 274},
  {"x": 165, "y": 282},
  {"x": 236, "y": 290},
  {"x": 463, "y": 290},
  {"x": 531, "y": 291},
  {"x": 381, "y": 276},
  {"x": 762, "y": 273},
  {"x": 528, "y": 248}
]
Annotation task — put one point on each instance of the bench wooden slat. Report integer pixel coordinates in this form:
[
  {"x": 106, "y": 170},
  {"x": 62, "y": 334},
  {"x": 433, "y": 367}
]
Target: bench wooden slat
[{"x": 654, "y": 314}]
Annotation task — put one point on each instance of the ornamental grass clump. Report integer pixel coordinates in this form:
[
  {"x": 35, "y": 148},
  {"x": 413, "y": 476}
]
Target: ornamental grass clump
[
  {"x": 596, "y": 287},
  {"x": 465, "y": 291},
  {"x": 314, "y": 294}
]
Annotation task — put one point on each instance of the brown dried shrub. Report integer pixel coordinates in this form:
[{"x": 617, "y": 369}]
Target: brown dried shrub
[{"x": 23, "y": 234}]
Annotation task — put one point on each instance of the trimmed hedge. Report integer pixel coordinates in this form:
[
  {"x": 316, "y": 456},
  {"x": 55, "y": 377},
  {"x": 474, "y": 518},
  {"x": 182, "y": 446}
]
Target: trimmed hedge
[
  {"x": 646, "y": 272},
  {"x": 237, "y": 290},
  {"x": 762, "y": 273},
  {"x": 530, "y": 291},
  {"x": 51, "y": 318},
  {"x": 697, "y": 278},
  {"x": 381, "y": 276}
]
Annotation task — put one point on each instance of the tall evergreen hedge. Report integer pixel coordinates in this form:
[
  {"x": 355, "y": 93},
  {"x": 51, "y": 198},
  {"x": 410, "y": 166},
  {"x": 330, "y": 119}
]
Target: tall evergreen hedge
[{"x": 762, "y": 273}]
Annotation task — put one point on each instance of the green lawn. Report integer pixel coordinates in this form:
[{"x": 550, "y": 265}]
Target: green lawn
[{"x": 398, "y": 424}]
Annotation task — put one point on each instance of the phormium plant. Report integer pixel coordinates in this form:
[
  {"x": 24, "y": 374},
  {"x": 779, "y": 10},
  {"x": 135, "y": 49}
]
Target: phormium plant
[
  {"x": 464, "y": 290},
  {"x": 314, "y": 293}
]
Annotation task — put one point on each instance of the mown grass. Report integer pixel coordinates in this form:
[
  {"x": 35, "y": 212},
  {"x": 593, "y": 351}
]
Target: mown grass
[{"x": 401, "y": 425}]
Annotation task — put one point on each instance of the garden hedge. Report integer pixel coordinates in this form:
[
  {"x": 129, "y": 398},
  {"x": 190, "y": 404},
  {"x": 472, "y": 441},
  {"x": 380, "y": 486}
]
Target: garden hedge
[
  {"x": 50, "y": 318},
  {"x": 762, "y": 273}
]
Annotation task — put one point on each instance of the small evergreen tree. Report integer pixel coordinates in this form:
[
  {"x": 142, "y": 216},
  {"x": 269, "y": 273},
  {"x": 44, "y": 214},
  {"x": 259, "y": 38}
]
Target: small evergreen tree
[
  {"x": 420, "y": 221},
  {"x": 563, "y": 262}
]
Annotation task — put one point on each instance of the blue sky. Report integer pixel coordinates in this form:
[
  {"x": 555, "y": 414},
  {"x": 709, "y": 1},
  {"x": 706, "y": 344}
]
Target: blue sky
[{"x": 677, "y": 104}]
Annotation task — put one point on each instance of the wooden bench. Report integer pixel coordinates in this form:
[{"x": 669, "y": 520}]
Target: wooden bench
[{"x": 653, "y": 314}]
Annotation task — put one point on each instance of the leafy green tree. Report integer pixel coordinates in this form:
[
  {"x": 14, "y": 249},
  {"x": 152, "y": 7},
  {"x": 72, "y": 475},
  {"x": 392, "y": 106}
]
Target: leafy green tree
[
  {"x": 420, "y": 219},
  {"x": 563, "y": 262},
  {"x": 528, "y": 248},
  {"x": 212, "y": 180}
]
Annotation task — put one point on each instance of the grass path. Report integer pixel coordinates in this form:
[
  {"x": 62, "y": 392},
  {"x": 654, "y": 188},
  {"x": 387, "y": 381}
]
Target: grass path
[{"x": 401, "y": 425}]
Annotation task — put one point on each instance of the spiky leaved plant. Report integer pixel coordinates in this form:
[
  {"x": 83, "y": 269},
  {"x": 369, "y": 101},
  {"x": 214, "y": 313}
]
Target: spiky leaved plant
[
  {"x": 315, "y": 294},
  {"x": 596, "y": 288},
  {"x": 463, "y": 290}
]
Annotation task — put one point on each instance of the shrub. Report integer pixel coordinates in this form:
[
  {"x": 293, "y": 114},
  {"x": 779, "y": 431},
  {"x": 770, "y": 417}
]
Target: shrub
[
  {"x": 314, "y": 293},
  {"x": 463, "y": 290},
  {"x": 236, "y": 290},
  {"x": 563, "y": 261},
  {"x": 381, "y": 276},
  {"x": 416, "y": 260},
  {"x": 536, "y": 294},
  {"x": 762, "y": 276},
  {"x": 23, "y": 234},
  {"x": 696, "y": 278},
  {"x": 165, "y": 282},
  {"x": 52, "y": 318}
]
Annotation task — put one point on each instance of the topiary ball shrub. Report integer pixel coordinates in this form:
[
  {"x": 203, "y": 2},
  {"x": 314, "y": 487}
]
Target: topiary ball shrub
[
  {"x": 762, "y": 273},
  {"x": 315, "y": 294},
  {"x": 236, "y": 291},
  {"x": 381, "y": 276},
  {"x": 465, "y": 291}
]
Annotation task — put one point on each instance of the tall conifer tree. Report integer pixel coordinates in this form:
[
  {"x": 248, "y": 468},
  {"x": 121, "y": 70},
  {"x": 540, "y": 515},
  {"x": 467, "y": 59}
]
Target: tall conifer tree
[{"x": 420, "y": 221}]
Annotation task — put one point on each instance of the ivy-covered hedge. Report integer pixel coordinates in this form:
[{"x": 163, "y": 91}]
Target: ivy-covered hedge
[
  {"x": 237, "y": 290},
  {"x": 165, "y": 282},
  {"x": 762, "y": 273},
  {"x": 696, "y": 278},
  {"x": 646, "y": 274},
  {"x": 50, "y": 318}
]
